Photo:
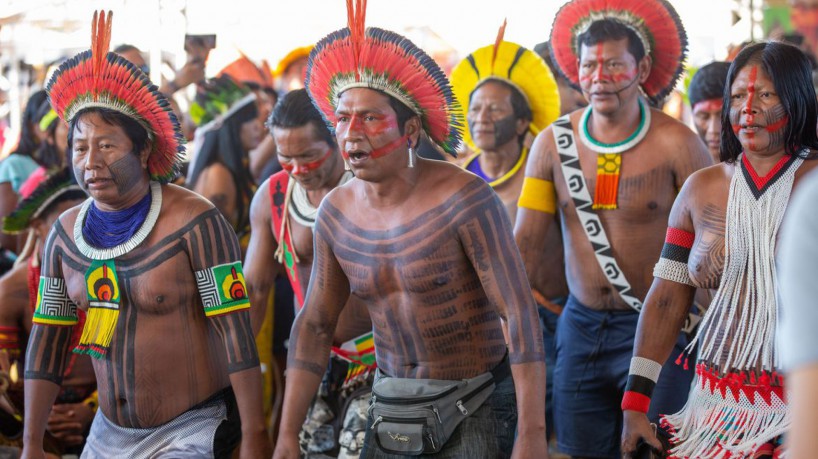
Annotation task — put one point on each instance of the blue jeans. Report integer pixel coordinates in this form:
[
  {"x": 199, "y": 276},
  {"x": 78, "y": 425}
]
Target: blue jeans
[
  {"x": 488, "y": 433},
  {"x": 594, "y": 350}
]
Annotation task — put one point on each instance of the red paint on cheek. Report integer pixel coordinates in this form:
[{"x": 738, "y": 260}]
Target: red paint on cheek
[
  {"x": 778, "y": 125},
  {"x": 389, "y": 147},
  {"x": 300, "y": 169},
  {"x": 600, "y": 62}
]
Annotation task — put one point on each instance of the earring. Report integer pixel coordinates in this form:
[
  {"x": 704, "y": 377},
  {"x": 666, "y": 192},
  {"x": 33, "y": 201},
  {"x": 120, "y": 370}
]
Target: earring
[{"x": 411, "y": 153}]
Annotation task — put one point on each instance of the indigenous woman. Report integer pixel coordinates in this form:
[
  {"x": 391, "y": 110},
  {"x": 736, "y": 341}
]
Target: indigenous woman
[
  {"x": 227, "y": 115},
  {"x": 722, "y": 235}
]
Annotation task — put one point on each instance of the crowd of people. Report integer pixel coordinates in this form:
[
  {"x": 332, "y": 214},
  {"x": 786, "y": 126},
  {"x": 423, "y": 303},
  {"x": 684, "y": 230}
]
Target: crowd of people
[{"x": 356, "y": 255}]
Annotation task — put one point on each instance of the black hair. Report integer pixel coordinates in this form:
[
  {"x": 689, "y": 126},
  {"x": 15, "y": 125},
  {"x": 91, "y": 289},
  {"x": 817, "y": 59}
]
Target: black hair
[
  {"x": 708, "y": 82},
  {"x": 294, "y": 110},
  {"x": 47, "y": 153},
  {"x": 518, "y": 101},
  {"x": 223, "y": 145},
  {"x": 789, "y": 69},
  {"x": 125, "y": 47},
  {"x": 402, "y": 112},
  {"x": 611, "y": 30},
  {"x": 136, "y": 133},
  {"x": 27, "y": 146}
]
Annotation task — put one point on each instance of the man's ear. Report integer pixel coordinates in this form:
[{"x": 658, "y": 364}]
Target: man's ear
[
  {"x": 644, "y": 68},
  {"x": 412, "y": 129},
  {"x": 144, "y": 154}
]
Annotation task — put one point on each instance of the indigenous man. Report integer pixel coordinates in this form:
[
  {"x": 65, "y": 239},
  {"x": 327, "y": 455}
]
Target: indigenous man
[
  {"x": 507, "y": 92},
  {"x": 283, "y": 217},
  {"x": 36, "y": 213},
  {"x": 428, "y": 248},
  {"x": 610, "y": 60},
  {"x": 705, "y": 94},
  {"x": 167, "y": 320}
]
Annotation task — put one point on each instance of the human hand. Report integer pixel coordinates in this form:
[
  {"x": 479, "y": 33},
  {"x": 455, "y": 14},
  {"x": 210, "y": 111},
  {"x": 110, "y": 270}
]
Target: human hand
[
  {"x": 530, "y": 446},
  {"x": 68, "y": 422},
  {"x": 192, "y": 72},
  {"x": 635, "y": 427},
  {"x": 287, "y": 447}
]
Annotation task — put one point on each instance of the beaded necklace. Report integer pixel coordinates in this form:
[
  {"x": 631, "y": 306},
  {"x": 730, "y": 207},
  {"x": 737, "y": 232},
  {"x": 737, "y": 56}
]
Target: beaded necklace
[{"x": 609, "y": 159}]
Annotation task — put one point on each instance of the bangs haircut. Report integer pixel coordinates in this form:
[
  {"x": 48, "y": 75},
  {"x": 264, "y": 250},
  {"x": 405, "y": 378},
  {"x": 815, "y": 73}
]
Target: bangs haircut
[
  {"x": 295, "y": 110},
  {"x": 137, "y": 134},
  {"x": 791, "y": 73},
  {"x": 611, "y": 30}
]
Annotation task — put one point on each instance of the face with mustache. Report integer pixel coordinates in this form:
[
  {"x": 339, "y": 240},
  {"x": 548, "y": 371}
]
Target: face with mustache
[
  {"x": 757, "y": 116},
  {"x": 609, "y": 74}
]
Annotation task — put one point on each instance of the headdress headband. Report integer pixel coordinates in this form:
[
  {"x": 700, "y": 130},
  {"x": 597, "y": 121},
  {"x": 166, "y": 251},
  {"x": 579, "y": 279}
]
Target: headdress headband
[
  {"x": 514, "y": 65},
  {"x": 359, "y": 57},
  {"x": 47, "y": 192},
  {"x": 98, "y": 78},
  {"x": 655, "y": 22}
]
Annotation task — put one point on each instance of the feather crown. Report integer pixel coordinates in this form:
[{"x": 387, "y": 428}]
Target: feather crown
[
  {"x": 102, "y": 79},
  {"x": 218, "y": 99},
  {"x": 655, "y": 22},
  {"x": 516, "y": 66},
  {"x": 58, "y": 187},
  {"x": 359, "y": 57}
]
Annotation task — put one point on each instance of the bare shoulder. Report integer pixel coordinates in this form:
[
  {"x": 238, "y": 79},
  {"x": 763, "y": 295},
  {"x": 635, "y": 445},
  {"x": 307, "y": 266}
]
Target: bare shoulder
[
  {"x": 709, "y": 179},
  {"x": 669, "y": 130},
  {"x": 67, "y": 218},
  {"x": 14, "y": 280},
  {"x": 261, "y": 199},
  {"x": 180, "y": 206}
]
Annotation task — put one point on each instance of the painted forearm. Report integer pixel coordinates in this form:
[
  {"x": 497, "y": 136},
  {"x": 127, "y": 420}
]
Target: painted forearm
[
  {"x": 46, "y": 354},
  {"x": 237, "y": 336},
  {"x": 310, "y": 352}
]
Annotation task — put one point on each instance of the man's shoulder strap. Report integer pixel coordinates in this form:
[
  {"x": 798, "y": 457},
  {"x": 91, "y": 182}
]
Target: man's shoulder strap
[
  {"x": 578, "y": 189},
  {"x": 581, "y": 196}
]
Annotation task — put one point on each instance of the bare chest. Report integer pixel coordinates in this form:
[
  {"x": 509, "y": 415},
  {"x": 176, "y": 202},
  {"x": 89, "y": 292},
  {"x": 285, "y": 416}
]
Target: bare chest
[{"x": 153, "y": 287}]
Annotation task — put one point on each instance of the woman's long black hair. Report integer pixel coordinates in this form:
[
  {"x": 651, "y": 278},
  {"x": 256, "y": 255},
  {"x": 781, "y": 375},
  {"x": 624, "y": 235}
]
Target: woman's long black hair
[{"x": 791, "y": 73}]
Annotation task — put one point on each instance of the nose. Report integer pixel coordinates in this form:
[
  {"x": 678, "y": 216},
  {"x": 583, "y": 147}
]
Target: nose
[
  {"x": 93, "y": 159},
  {"x": 714, "y": 125},
  {"x": 353, "y": 131}
]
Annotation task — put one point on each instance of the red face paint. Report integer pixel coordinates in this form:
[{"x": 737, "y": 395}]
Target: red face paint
[
  {"x": 305, "y": 168},
  {"x": 370, "y": 126},
  {"x": 709, "y": 105},
  {"x": 751, "y": 92}
]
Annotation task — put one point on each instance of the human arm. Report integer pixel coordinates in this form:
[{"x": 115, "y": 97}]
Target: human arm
[
  {"x": 219, "y": 277},
  {"x": 797, "y": 255},
  {"x": 311, "y": 338},
  {"x": 537, "y": 205},
  {"x": 8, "y": 201},
  {"x": 47, "y": 350},
  {"x": 663, "y": 314},
  {"x": 486, "y": 235},
  {"x": 261, "y": 265},
  {"x": 216, "y": 184},
  {"x": 192, "y": 72}
]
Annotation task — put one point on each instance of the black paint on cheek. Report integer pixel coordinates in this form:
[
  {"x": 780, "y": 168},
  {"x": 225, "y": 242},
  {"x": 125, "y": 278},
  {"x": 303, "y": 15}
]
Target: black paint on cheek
[
  {"x": 126, "y": 172},
  {"x": 505, "y": 130}
]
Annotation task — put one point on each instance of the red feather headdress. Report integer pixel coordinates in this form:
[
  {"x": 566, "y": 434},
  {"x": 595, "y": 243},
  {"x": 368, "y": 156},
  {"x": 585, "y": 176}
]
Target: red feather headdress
[
  {"x": 359, "y": 57},
  {"x": 98, "y": 78},
  {"x": 655, "y": 22}
]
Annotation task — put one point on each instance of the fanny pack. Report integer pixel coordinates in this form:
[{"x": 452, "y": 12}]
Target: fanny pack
[{"x": 417, "y": 416}]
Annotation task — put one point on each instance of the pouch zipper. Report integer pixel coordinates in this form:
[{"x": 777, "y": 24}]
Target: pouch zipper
[
  {"x": 414, "y": 401},
  {"x": 380, "y": 419},
  {"x": 463, "y": 410}
]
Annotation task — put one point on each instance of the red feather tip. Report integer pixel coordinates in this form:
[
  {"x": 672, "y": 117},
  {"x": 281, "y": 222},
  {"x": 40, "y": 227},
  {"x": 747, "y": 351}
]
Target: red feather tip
[
  {"x": 500, "y": 34},
  {"x": 100, "y": 39},
  {"x": 356, "y": 22}
]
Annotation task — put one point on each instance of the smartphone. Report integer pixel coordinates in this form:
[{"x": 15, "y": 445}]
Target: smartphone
[{"x": 198, "y": 46}]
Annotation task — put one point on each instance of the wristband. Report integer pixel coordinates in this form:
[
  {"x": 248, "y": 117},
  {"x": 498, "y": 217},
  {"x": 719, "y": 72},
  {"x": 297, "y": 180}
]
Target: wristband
[{"x": 641, "y": 380}]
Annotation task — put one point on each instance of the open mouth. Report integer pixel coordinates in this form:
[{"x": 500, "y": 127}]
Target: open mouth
[{"x": 358, "y": 156}]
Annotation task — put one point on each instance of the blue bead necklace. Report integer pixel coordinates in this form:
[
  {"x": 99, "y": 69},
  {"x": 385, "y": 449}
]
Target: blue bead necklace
[{"x": 109, "y": 229}]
